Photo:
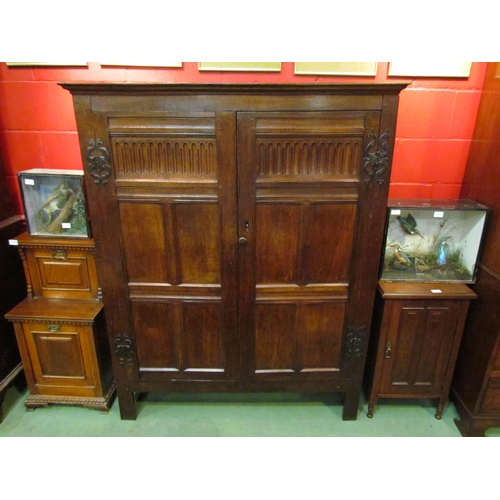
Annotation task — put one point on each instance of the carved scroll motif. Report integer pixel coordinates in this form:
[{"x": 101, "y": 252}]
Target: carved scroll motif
[
  {"x": 353, "y": 347},
  {"x": 98, "y": 161},
  {"x": 123, "y": 350},
  {"x": 376, "y": 162}
]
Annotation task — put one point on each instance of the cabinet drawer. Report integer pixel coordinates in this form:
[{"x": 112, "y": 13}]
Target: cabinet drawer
[
  {"x": 491, "y": 399},
  {"x": 61, "y": 273}
]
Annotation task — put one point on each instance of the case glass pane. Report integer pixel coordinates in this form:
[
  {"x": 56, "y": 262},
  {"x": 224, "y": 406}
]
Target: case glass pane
[
  {"x": 432, "y": 241},
  {"x": 54, "y": 203}
]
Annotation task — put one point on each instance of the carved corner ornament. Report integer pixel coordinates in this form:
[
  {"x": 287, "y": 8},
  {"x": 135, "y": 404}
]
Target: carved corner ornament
[
  {"x": 355, "y": 339},
  {"x": 376, "y": 162},
  {"x": 98, "y": 161},
  {"x": 123, "y": 350}
]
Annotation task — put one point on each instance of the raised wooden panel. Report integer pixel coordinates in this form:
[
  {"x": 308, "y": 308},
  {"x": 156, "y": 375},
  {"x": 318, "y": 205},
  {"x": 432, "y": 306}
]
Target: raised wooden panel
[
  {"x": 331, "y": 242},
  {"x": 299, "y": 337},
  {"x": 197, "y": 230},
  {"x": 59, "y": 355},
  {"x": 202, "y": 337},
  {"x": 411, "y": 323},
  {"x": 278, "y": 242},
  {"x": 319, "y": 342},
  {"x": 68, "y": 274},
  {"x": 144, "y": 242},
  {"x": 275, "y": 331},
  {"x": 155, "y": 324},
  {"x": 436, "y": 340}
]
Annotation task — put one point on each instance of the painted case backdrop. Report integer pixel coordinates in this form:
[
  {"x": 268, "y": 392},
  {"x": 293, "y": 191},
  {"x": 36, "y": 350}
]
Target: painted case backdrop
[{"x": 433, "y": 241}]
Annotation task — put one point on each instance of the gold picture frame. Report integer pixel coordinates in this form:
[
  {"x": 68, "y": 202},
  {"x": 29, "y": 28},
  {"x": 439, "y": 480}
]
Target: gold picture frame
[
  {"x": 336, "y": 68},
  {"x": 430, "y": 69},
  {"x": 46, "y": 64},
  {"x": 239, "y": 66},
  {"x": 145, "y": 65}
]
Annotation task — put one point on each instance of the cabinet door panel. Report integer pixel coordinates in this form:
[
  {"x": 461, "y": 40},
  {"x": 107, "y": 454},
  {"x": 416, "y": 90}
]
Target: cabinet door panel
[
  {"x": 421, "y": 340},
  {"x": 299, "y": 203},
  {"x": 60, "y": 355},
  {"x": 174, "y": 189}
]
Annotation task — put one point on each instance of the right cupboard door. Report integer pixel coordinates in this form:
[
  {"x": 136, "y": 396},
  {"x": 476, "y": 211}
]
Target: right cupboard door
[{"x": 304, "y": 208}]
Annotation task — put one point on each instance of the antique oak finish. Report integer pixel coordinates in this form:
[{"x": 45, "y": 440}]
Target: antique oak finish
[
  {"x": 56, "y": 269},
  {"x": 238, "y": 231},
  {"x": 60, "y": 326},
  {"x": 64, "y": 352},
  {"x": 476, "y": 382},
  {"x": 417, "y": 330}
]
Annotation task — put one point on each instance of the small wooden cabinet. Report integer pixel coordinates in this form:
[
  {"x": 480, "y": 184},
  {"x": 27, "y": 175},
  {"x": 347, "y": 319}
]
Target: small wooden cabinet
[
  {"x": 60, "y": 328},
  {"x": 64, "y": 360},
  {"x": 416, "y": 337}
]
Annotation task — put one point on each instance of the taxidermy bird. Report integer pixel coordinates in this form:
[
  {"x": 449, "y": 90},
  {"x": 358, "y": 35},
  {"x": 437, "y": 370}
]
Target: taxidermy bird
[
  {"x": 443, "y": 251},
  {"x": 422, "y": 265},
  {"x": 409, "y": 224},
  {"x": 57, "y": 199},
  {"x": 401, "y": 260}
]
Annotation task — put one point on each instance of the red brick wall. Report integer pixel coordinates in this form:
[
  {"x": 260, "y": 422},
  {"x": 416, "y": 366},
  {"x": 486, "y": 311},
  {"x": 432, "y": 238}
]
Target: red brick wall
[{"x": 435, "y": 122}]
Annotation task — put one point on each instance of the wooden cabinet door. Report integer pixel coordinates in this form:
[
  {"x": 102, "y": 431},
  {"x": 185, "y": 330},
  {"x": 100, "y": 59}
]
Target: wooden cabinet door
[
  {"x": 171, "y": 204},
  {"x": 302, "y": 195},
  {"x": 60, "y": 356},
  {"x": 419, "y": 345}
]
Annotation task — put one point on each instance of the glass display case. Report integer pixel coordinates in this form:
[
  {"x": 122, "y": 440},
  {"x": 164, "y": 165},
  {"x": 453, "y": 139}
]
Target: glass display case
[
  {"x": 432, "y": 240},
  {"x": 54, "y": 203}
]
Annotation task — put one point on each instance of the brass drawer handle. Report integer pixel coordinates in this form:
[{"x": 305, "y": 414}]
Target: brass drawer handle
[
  {"x": 51, "y": 327},
  {"x": 388, "y": 351},
  {"x": 59, "y": 254}
]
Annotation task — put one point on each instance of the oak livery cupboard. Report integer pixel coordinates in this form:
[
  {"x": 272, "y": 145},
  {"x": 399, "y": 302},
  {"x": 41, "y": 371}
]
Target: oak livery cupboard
[{"x": 238, "y": 231}]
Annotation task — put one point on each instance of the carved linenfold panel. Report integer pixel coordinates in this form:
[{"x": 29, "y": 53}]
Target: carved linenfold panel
[
  {"x": 175, "y": 158},
  {"x": 307, "y": 157}
]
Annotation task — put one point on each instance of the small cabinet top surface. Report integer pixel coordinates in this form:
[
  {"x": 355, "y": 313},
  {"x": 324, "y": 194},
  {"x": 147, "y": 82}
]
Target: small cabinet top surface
[{"x": 399, "y": 290}]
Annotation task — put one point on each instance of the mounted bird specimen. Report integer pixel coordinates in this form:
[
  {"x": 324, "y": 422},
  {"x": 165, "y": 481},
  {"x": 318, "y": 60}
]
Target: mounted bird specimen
[
  {"x": 443, "y": 251},
  {"x": 56, "y": 200},
  {"x": 409, "y": 224},
  {"x": 401, "y": 260}
]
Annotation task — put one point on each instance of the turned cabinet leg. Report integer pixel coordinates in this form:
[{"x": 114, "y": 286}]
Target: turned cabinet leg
[
  {"x": 126, "y": 402},
  {"x": 351, "y": 405},
  {"x": 439, "y": 410},
  {"x": 371, "y": 407}
]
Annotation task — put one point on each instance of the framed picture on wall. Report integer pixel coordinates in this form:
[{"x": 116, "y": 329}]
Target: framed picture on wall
[
  {"x": 430, "y": 69},
  {"x": 239, "y": 66},
  {"x": 46, "y": 64},
  {"x": 336, "y": 68}
]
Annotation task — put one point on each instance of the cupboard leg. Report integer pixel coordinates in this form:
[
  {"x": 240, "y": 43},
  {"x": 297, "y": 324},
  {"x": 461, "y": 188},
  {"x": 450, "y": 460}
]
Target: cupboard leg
[
  {"x": 371, "y": 407},
  {"x": 351, "y": 405},
  {"x": 126, "y": 402},
  {"x": 439, "y": 410}
]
